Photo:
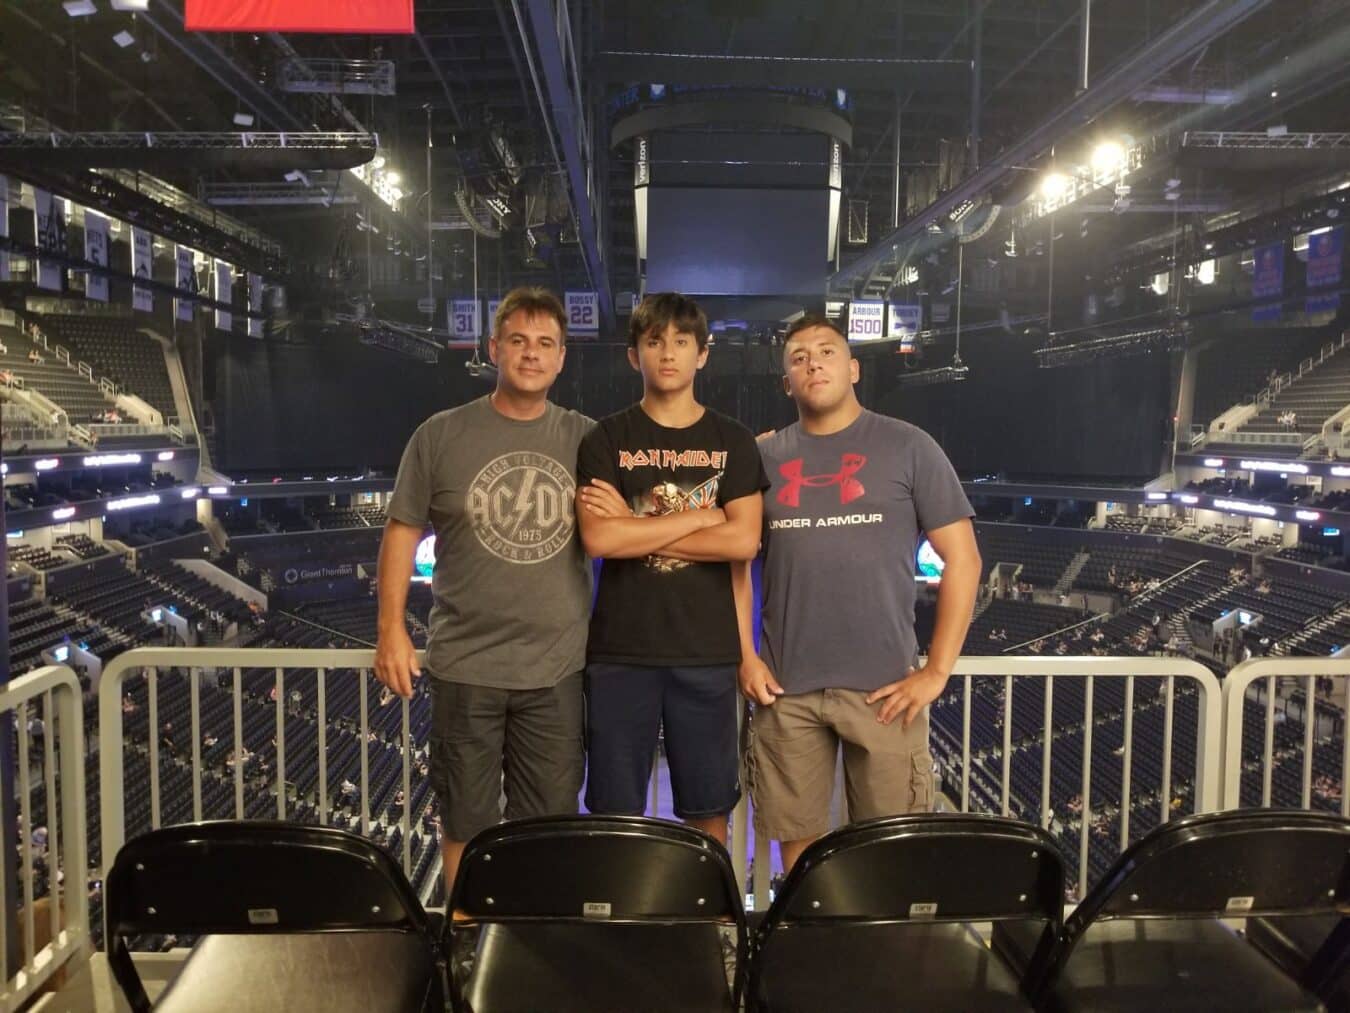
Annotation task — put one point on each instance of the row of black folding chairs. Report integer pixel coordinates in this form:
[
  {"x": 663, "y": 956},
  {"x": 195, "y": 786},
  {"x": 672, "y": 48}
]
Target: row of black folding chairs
[{"x": 622, "y": 913}]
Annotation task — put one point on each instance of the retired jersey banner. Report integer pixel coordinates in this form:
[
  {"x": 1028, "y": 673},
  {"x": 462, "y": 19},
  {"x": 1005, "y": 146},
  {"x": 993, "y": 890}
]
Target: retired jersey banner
[
  {"x": 96, "y": 253},
  {"x": 224, "y": 293},
  {"x": 142, "y": 254},
  {"x": 463, "y": 323},
  {"x": 51, "y": 236},
  {"x": 255, "y": 322},
  {"x": 357, "y": 17},
  {"x": 866, "y": 320},
  {"x": 185, "y": 280},
  {"x": 1268, "y": 280},
  {"x": 583, "y": 311}
]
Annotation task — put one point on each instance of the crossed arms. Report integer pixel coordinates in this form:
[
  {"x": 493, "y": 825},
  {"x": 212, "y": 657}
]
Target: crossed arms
[{"x": 610, "y": 531}]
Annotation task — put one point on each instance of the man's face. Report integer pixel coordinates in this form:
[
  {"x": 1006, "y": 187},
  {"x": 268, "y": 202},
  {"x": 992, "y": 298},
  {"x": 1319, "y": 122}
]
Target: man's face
[
  {"x": 528, "y": 353},
  {"x": 667, "y": 360},
  {"x": 820, "y": 370}
]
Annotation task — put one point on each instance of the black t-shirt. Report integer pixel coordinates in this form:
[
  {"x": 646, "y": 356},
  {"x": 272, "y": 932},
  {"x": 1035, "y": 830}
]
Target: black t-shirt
[{"x": 657, "y": 611}]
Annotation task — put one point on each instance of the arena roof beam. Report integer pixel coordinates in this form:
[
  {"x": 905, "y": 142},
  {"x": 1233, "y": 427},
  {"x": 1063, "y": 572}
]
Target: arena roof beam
[
  {"x": 777, "y": 71},
  {"x": 555, "y": 78},
  {"x": 151, "y": 149},
  {"x": 1114, "y": 85}
]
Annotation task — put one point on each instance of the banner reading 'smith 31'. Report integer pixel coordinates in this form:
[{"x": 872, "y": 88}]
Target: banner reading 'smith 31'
[{"x": 386, "y": 17}]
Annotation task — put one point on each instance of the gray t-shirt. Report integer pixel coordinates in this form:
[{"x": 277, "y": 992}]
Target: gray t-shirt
[
  {"x": 511, "y": 584},
  {"x": 841, "y": 525}
]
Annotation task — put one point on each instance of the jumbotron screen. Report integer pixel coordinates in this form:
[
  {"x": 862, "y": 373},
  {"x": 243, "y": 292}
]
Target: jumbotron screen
[
  {"x": 425, "y": 560},
  {"x": 928, "y": 565}
]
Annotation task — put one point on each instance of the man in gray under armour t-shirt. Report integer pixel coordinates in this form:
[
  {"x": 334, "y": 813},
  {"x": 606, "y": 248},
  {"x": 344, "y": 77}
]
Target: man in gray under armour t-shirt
[
  {"x": 511, "y": 585},
  {"x": 850, "y": 491}
]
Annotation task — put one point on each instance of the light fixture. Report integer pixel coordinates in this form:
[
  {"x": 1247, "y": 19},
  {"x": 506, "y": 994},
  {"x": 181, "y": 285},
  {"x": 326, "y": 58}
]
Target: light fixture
[
  {"x": 1053, "y": 185},
  {"x": 1107, "y": 157},
  {"x": 243, "y": 119},
  {"x": 131, "y": 5},
  {"x": 392, "y": 177},
  {"x": 124, "y": 38},
  {"x": 377, "y": 162},
  {"x": 80, "y": 8}
]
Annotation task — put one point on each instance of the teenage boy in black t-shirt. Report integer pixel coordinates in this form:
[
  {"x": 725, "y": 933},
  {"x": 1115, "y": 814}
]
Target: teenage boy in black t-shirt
[{"x": 669, "y": 494}]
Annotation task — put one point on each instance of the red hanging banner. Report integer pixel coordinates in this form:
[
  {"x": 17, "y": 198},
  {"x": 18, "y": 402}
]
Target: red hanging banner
[{"x": 356, "y": 17}]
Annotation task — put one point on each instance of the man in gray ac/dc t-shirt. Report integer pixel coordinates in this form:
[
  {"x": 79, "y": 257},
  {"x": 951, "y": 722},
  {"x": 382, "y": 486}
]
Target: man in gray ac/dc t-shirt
[
  {"x": 850, "y": 492},
  {"x": 511, "y": 585}
]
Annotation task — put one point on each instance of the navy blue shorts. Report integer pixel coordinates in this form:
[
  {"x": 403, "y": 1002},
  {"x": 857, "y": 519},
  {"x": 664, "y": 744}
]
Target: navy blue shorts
[{"x": 626, "y": 708}]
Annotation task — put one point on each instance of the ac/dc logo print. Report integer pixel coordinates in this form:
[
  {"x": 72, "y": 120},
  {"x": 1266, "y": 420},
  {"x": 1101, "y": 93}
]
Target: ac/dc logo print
[{"x": 849, "y": 486}]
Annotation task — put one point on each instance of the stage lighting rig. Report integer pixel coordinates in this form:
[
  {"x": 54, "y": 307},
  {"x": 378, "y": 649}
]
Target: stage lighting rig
[{"x": 1112, "y": 346}]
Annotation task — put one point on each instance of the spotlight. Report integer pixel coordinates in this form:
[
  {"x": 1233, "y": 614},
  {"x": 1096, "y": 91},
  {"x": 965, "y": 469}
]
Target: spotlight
[
  {"x": 80, "y": 8},
  {"x": 1107, "y": 157},
  {"x": 131, "y": 5},
  {"x": 243, "y": 119},
  {"x": 392, "y": 177},
  {"x": 377, "y": 162},
  {"x": 1053, "y": 185},
  {"x": 124, "y": 38}
]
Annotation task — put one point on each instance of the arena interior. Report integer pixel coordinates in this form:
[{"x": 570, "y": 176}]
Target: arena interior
[{"x": 1093, "y": 247}]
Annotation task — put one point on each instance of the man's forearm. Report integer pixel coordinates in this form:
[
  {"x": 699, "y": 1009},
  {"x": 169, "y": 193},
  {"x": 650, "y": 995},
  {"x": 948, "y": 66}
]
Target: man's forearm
[
  {"x": 395, "y": 569},
  {"x": 720, "y": 543},
  {"x": 635, "y": 537},
  {"x": 955, "y": 608},
  {"x": 743, "y": 592}
]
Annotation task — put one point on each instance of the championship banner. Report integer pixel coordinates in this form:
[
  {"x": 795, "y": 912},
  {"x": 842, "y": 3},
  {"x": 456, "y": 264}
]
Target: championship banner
[
  {"x": 96, "y": 252},
  {"x": 142, "y": 254},
  {"x": 224, "y": 293},
  {"x": 1324, "y": 269},
  {"x": 463, "y": 323},
  {"x": 905, "y": 322},
  {"x": 185, "y": 280},
  {"x": 51, "y": 236},
  {"x": 255, "y": 323},
  {"x": 357, "y": 17},
  {"x": 4, "y": 226},
  {"x": 866, "y": 319},
  {"x": 1268, "y": 279},
  {"x": 583, "y": 311}
]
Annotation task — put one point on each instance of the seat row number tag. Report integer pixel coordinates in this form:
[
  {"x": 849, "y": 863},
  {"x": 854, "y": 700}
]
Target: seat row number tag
[
  {"x": 595, "y": 909},
  {"x": 263, "y": 916},
  {"x": 1239, "y": 904},
  {"x": 928, "y": 910}
]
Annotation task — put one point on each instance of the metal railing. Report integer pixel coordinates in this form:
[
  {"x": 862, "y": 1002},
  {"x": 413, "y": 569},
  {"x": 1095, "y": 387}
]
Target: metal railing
[
  {"x": 53, "y": 696},
  {"x": 1257, "y": 682}
]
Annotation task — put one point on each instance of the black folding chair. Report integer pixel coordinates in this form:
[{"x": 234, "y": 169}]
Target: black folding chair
[
  {"x": 1305, "y": 948},
  {"x": 875, "y": 916},
  {"x": 1150, "y": 934},
  {"x": 292, "y": 917},
  {"x": 592, "y": 913}
]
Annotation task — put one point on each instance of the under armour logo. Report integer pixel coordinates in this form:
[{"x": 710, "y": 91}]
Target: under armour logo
[{"x": 849, "y": 487}]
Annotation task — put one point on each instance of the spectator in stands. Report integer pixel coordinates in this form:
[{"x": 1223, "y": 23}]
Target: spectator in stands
[
  {"x": 670, "y": 493},
  {"x": 511, "y": 585},
  {"x": 35, "y": 357},
  {"x": 866, "y": 485}
]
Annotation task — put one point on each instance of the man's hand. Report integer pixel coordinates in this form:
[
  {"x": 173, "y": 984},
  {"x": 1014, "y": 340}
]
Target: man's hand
[
  {"x": 757, "y": 683},
  {"x": 396, "y": 661},
  {"x": 603, "y": 500},
  {"x": 908, "y": 696}
]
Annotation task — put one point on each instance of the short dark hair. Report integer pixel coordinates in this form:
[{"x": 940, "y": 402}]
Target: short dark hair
[
  {"x": 809, "y": 320},
  {"x": 657, "y": 312},
  {"x": 535, "y": 301}
]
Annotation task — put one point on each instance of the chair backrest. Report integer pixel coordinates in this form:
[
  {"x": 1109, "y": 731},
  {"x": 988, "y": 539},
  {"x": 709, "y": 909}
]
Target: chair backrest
[
  {"x": 1228, "y": 864},
  {"x": 926, "y": 867},
  {"x": 603, "y": 868},
  {"x": 250, "y": 877}
]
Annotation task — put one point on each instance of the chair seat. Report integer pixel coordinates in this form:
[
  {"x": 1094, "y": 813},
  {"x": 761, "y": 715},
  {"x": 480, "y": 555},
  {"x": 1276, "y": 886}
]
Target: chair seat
[
  {"x": 861, "y": 968},
  {"x": 597, "y": 968},
  {"x": 1121, "y": 966},
  {"x": 337, "y": 972},
  {"x": 1291, "y": 941}
]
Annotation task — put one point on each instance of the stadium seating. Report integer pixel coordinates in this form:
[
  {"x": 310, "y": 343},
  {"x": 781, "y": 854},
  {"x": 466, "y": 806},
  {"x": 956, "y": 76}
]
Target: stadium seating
[
  {"x": 59, "y": 382},
  {"x": 1235, "y": 368},
  {"x": 116, "y": 348},
  {"x": 1313, "y": 397}
]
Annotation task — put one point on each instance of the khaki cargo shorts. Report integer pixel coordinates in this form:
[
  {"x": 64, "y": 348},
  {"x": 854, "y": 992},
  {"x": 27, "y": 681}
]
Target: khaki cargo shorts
[{"x": 790, "y": 762}]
